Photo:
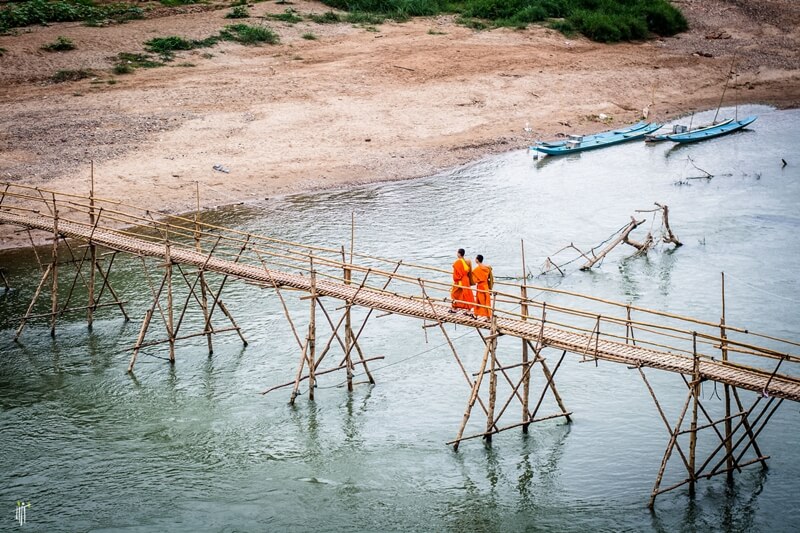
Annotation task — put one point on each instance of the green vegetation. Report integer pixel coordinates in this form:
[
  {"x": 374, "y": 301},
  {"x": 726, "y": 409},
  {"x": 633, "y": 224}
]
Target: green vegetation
[
  {"x": 436, "y": 32},
  {"x": 3, "y": 51},
  {"x": 600, "y": 20},
  {"x": 360, "y": 17},
  {"x": 238, "y": 12},
  {"x": 329, "y": 17},
  {"x": 61, "y": 44},
  {"x": 307, "y": 36},
  {"x": 166, "y": 47},
  {"x": 71, "y": 75},
  {"x": 244, "y": 34},
  {"x": 175, "y": 3},
  {"x": 127, "y": 62},
  {"x": 290, "y": 16},
  {"x": 19, "y": 14}
]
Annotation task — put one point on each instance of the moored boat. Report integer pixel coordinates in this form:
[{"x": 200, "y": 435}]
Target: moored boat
[
  {"x": 710, "y": 133},
  {"x": 580, "y": 144},
  {"x": 679, "y": 129}
]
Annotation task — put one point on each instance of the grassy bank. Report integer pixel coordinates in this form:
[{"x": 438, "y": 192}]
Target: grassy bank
[
  {"x": 599, "y": 20},
  {"x": 19, "y": 14}
]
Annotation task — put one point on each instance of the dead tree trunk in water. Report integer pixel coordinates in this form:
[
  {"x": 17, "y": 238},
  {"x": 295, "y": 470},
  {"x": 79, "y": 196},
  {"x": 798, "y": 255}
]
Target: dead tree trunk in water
[{"x": 623, "y": 236}]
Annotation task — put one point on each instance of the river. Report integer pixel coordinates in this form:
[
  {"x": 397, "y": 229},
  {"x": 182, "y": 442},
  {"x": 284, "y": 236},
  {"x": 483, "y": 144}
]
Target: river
[{"x": 196, "y": 448}]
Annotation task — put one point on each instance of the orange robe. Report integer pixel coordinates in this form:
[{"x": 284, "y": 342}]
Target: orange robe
[
  {"x": 480, "y": 275},
  {"x": 461, "y": 293}
]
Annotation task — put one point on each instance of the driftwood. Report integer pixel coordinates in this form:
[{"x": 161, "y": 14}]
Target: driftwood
[{"x": 623, "y": 236}]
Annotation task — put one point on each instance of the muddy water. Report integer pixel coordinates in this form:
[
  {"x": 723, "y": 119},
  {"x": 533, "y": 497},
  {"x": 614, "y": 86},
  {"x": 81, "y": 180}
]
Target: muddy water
[{"x": 196, "y": 448}]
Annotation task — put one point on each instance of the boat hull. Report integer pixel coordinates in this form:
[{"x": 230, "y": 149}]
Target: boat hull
[
  {"x": 595, "y": 143},
  {"x": 711, "y": 133}
]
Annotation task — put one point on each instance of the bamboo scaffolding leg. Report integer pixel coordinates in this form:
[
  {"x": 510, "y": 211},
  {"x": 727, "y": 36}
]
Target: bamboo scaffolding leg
[
  {"x": 93, "y": 257},
  {"x": 170, "y": 310},
  {"x": 693, "y": 428},
  {"x": 54, "y": 271},
  {"x": 746, "y": 424},
  {"x": 670, "y": 445},
  {"x": 4, "y": 279},
  {"x": 106, "y": 283},
  {"x": 472, "y": 397},
  {"x": 726, "y": 388},
  {"x": 526, "y": 385},
  {"x": 492, "y": 375},
  {"x": 549, "y": 377},
  {"x": 347, "y": 328},
  {"x": 29, "y": 312},
  {"x": 312, "y": 334},
  {"x": 147, "y": 318}
]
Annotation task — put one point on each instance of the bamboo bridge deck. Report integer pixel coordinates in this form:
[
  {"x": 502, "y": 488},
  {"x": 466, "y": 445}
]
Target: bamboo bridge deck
[{"x": 762, "y": 381}]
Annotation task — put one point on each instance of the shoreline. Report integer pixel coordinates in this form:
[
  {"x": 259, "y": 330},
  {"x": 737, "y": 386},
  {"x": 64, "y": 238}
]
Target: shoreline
[{"x": 355, "y": 106}]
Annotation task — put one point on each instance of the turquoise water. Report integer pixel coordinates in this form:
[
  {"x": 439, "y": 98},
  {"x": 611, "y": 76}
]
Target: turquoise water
[{"x": 195, "y": 447}]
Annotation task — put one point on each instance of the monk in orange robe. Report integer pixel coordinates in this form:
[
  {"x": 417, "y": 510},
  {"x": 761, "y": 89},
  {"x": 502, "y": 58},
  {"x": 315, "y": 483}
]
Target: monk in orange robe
[
  {"x": 484, "y": 280},
  {"x": 461, "y": 293}
]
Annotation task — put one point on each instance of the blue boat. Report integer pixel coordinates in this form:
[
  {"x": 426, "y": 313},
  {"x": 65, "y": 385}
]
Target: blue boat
[
  {"x": 628, "y": 129},
  {"x": 710, "y": 133},
  {"x": 580, "y": 144},
  {"x": 679, "y": 129}
]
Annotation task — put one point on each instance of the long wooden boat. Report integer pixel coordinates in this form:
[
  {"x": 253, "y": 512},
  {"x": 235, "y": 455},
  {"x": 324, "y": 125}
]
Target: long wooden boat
[
  {"x": 621, "y": 131},
  {"x": 710, "y": 133},
  {"x": 580, "y": 145},
  {"x": 680, "y": 130}
]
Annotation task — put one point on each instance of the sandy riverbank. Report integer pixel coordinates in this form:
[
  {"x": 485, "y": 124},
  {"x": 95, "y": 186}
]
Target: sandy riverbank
[{"x": 355, "y": 106}]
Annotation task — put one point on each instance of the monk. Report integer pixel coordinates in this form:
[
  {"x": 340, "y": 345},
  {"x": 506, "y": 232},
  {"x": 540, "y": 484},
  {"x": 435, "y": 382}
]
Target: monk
[
  {"x": 484, "y": 281},
  {"x": 461, "y": 293}
]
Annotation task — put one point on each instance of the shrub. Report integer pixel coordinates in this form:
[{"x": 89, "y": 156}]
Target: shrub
[
  {"x": 360, "y": 17},
  {"x": 71, "y": 75},
  {"x": 326, "y": 18},
  {"x": 61, "y": 44},
  {"x": 21, "y": 14},
  {"x": 290, "y": 16},
  {"x": 3, "y": 51},
  {"x": 309, "y": 36},
  {"x": 238, "y": 12},
  {"x": 166, "y": 46},
  {"x": 244, "y": 34}
]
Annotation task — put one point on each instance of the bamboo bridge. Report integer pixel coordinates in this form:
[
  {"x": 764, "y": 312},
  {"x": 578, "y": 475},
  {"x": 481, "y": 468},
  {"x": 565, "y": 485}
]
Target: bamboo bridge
[{"x": 87, "y": 231}]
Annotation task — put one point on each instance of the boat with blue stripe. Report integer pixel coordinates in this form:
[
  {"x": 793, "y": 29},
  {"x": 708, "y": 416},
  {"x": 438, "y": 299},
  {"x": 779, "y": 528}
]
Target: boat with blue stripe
[
  {"x": 710, "y": 133},
  {"x": 580, "y": 143}
]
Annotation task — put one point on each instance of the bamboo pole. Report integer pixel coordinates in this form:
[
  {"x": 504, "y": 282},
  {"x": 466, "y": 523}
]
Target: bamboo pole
[
  {"x": 170, "y": 310},
  {"x": 203, "y": 292},
  {"x": 28, "y": 313},
  {"x": 695, "y": 388},
  {"x": 348, "y": 332},
  {"x": 727, "y": 389},
  {"x": 312, "y": 333},
  {"x": 472, "y": 397},
  {"x": 664, "y": 460},
  {"x": 492, "y": 378},
  {"x": 92, "y": 253},
  {"x": 54, "y": 271},
  {"x": 526, "y": 380}
]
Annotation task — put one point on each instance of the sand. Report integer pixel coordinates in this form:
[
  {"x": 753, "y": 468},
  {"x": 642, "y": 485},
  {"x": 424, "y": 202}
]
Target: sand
[{"x": 354, "y": 106}]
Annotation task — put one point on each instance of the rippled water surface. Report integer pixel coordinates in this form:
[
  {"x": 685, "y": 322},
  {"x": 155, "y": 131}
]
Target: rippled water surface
[{"x": 195, "y": 447}]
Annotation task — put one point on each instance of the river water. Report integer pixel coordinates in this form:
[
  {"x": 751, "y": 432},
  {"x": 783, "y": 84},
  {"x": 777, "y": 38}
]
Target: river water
[{"x": 195, "y": 447}]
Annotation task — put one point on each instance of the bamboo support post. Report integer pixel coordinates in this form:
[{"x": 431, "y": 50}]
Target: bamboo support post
[
  {"x": 526, "y": 381},
  {"x": 92, "y": 254},
  {"x": 472, "y": 398},
  {"x": 492, "y": 345},
  {"x": 312, "y": 334},
  {"x": 727, "y": 390},
  {"x": 695, "y": 388},
  {"x": 54, "y": 271}
]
